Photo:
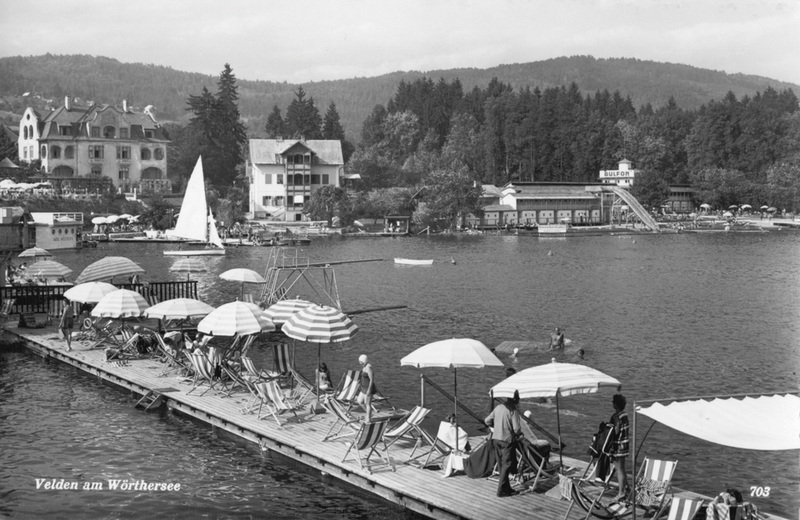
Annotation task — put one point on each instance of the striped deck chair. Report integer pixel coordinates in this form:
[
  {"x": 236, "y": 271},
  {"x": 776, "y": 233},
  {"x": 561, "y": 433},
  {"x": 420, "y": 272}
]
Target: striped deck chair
[
  {"x": 349, "y": 387},
  {"x": 305, "y": 389},
  {"x": 284, "y": 362},
  {"x": 203, "y": 373},
  {"x": 369, "y": 437},
  {"x": 275, "y": 400},
  {"x": 6, "y": 309},
  {"x": 409, "y": 428},
  {"x": 253, "y": 374},
  {"x": 684, "y": 508},
  {"x": 343, "y": 420},
  {"x": 170, "y": 357}
]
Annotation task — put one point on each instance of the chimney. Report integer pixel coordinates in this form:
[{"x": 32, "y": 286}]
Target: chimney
[
  {"x": 67, "y": 104},
  {"x": 125, "y": 105}
]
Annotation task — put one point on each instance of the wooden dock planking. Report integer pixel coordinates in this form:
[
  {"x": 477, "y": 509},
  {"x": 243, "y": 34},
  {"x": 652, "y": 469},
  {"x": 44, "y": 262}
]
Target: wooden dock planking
[{"x": 422, "y": 491}]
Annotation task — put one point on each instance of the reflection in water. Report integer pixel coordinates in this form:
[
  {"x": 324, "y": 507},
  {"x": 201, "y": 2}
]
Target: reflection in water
[{"x": 672, "y": 315}]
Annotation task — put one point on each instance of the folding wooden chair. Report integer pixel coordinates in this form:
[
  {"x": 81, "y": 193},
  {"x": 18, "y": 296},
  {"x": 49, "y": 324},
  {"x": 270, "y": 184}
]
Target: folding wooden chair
[
  {"x": 276, "y": 401},
  {"x": 254, "y": 375},
  {"x": 438, "y": 448},
  {"x": 349, "y": 387},
  {"x": 409, "y": 428},
  {"x": 284, "y": 361},
  {"x": 170, "y": 357},
  {"x": 343, "y": 420},
  {"x": 369, "y": 437},
  {"x": 203, "y": 373},
  {"x": 684, "y": 508}
]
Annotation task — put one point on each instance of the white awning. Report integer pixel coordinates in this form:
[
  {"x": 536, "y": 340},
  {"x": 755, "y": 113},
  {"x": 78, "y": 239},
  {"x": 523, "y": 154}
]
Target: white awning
[
  {"x": 299, "y": 199},
  {"x": 754, "y": 423}
]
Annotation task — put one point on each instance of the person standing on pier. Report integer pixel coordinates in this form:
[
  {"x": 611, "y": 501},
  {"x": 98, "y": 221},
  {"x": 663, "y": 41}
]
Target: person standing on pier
[
  {"x": 621, "y": 446},
  {"x": 505, "y": 422},
  {"x": 67, "y": 323},
  {"x": 367, "y": 386}
]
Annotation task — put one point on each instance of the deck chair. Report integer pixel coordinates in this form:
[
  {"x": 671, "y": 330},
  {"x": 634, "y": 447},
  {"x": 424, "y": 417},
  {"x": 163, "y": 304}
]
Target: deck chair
[
  {"x": 305, "y": 389},
  {"x": 369, "y": 437},
  {"x": 438, "y": 448},
  {"x": 533, "y": 455},
  {"x": 100, "y": 331},
  {"x": 409, "y": 428},
  {"x": 253, "y": 374},
  {"x": 684, "y": 508},
  {"x": 127, "y": 350},
  {"x": 349, "y": 387},
  {"x": 6, "y": 310},
  {"x": 653, "y": 485},
  {"x": 283, "y": 362},
  {"x": 203, "y": 373},
  {"x": 275, "y": 400},
  {"x": 170, "y": 357},
  {"x": 343, "y": 420}
]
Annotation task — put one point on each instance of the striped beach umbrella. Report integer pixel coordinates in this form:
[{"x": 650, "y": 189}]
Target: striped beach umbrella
[
  {"x": 179, "y": 309},
  {"x": 188, "y": 266},
  {"x": 121, "y": 303},
  {"x": 281, "y": 311},
  {"x": 49, "y": 269},
  {"x": 554, "y": 380},
  {"x": 320, "y": 324},
  {"x": 36, "y": 252},
  {"x": 90, "y": 292},
  {"x": 453, "y": 353},
  {"x": 235, "y": 318},
  {"x": 109, "y": 267}
]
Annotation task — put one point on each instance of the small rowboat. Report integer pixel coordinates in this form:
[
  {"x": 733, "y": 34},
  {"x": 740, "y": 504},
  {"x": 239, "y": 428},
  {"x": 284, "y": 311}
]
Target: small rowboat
[{"x": 411, "y": 261}]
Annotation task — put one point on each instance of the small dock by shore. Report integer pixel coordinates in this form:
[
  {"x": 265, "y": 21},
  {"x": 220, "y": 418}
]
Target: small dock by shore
[{"x": 300, "y": 441}]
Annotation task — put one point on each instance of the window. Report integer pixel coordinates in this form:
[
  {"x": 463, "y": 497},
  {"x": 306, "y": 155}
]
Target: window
[
  {"x": 279, "y": 201},
  {"x": 95, "y": 131},
  {"x": 124, "y": 153},
  {"x": 326, "y": 178},
  {"x": 69, "y": 152},
  {"x": 307, "y": 159},
  {"x": 123, "y": 173},
  {"x": 315, "y": 179},
  {"x": 266, "y": 201},
  {"x": 148, "y": 134},
  {"x": 97, "y": 171},
  {"x": 95, "y": 151},
  {"x": 307, "y": 179},
  {"x": 65, "y": 130},
  {"x": 30, "y": 131},
  {"x": 109, "y": 132},
  {"x": 123, "y": 133},
  {"x": 44, "y": 152},
  {"x": 55, "y": 152},
  {"x": 25, "y": 153},
  {"x": 289, "y": 180},
  {"x": 158, "y": 154},
  {"x": 145, "y": 154},
  {"x": 298, "y": 180},
  {"x": 267, "y": 178},
  {"x": 25, "y": 132},
  {"x": 278, "y": 179},
  {"x": 298, "y": 159}
]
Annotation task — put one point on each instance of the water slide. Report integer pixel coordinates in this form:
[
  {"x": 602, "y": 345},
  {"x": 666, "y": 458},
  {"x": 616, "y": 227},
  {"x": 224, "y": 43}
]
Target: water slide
[{"x": 634, "y": 206}]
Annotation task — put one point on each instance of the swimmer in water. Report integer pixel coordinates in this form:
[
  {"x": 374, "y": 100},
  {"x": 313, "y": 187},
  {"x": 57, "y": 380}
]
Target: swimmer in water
[{"x": 556, "y": 340}]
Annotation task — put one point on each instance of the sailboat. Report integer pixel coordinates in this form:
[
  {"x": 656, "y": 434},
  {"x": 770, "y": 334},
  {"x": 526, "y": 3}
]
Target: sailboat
[{"x": 195, "y": 221}]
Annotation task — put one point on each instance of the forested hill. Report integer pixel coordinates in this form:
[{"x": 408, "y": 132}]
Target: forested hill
[{"x": 106, "y": 80}]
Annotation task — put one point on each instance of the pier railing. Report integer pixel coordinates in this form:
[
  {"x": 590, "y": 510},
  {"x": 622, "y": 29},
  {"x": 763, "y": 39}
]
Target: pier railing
[{"x": 40, "y": 298}]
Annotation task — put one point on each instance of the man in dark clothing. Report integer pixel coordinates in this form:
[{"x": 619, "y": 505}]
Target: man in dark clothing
[{"x": 505, "y": 422}]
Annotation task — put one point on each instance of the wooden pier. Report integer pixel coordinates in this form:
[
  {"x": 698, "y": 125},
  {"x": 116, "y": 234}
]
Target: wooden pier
[{"x": 424, "y": 491}]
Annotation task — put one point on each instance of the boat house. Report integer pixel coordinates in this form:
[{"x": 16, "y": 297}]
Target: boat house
[{"x": 57, "y": 230}]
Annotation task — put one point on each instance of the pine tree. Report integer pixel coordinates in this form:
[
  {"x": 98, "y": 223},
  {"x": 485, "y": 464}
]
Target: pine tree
[
  {"x": 331, "y": 126},
  {"x": 275, "y": 126},
  {"x": 302, "y": 117}
]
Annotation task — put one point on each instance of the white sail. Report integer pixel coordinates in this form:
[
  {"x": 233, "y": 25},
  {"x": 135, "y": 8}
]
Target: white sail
[
  {"x": 192, "y": 219},
  {"x": 213, "y": 236}
]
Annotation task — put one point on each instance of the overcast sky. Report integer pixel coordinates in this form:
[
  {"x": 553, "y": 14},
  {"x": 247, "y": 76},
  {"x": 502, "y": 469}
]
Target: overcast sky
[{"x": 311, "y": 40}]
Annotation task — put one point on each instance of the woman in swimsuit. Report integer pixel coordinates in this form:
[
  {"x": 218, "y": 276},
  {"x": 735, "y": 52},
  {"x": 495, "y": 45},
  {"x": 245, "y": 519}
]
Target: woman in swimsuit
[{"x": 367, "y": 386}]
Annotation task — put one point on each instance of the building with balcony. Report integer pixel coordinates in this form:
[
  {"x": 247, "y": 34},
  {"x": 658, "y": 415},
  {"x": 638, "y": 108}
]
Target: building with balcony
[
  {"x": 284, "y": 173},
  {"x": 82, "y": 147}
]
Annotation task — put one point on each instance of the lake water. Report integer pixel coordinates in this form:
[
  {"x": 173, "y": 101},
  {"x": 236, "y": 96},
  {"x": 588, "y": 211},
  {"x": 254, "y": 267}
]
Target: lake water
[{"x": 669, "y": 316}]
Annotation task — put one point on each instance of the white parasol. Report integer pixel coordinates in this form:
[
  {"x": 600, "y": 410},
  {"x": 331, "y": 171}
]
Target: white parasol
[{"x": 235, "y": 318}]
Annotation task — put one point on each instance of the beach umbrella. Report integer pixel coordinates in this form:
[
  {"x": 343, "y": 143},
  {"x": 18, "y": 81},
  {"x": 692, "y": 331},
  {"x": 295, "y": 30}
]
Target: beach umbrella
[
  {"x": 49, "y": 269},
  {"x": 320, "y": 324},
  {"x": 99, "y": 220},
  {"x": 727, "y": 214},
  {"x": 554, "y": 380},
  {"x": 7, "y": 183},
  {"x": 179, "y": 309},
  {"x": 35, "y": 252},
  {"x": 771, "y": 209},
  {"x": 125, "y": 216},
  {"x": 109, "y": 267},
  {"x": 242, "y": 276},
  {"x": 280, "y": 312},
  {"x": 764, "y": 207},
  {"x": 235, "y": 318},
  {"x": 188, "y": 266},
  {"x": 733, "y": 207},
  {"x": 121, "y": 303},
  {"x": 746, "y": 206},
  {"x": 90, "y": 292},
  {"x": 705, "y": 206},
  {"x": 453, "y": 353},
  {"x": 111, "y": 219}
]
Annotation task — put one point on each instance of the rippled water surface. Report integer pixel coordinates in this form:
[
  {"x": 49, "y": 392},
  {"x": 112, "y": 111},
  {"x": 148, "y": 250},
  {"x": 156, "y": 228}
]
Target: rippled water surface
[{"x": 671, "y": 315}]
